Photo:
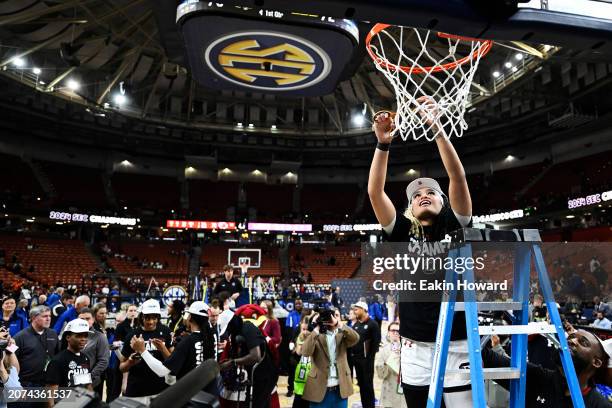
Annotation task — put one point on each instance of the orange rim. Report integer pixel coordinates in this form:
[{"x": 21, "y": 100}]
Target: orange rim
[{"x": 478, "y": 53}]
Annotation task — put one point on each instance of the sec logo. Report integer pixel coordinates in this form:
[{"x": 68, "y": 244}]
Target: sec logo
[
  {"x": 174, "y": 292},
  {"x": 267, "y": 61}
]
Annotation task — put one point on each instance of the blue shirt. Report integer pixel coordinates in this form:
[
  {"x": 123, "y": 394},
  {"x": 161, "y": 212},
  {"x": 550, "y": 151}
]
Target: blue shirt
[
  {"x": 15, "y": 324},
  {"x": 52, "y": 299},
  {"x": 375, "y": 311},
  {"x": 69, "y": 315},
  {"x": 293, "y": 319},
  {"x": 22, "y": 313}
]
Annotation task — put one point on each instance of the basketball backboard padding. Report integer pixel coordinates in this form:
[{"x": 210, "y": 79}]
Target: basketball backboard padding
[{"x": 556, "y": 25}]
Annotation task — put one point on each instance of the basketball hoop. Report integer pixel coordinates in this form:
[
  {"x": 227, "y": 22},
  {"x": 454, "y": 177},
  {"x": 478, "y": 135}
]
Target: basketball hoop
[{"x": 433, "y": 69}]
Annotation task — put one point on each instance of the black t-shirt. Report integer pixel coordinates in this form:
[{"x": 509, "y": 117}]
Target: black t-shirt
[
  {"x": 233, "y": 286},
  {"x": 369, "y": 339},
  {"x": 68, "y": 369},
  {"x": 419, "y": 320},
  {"x": 254, "y": 338},
  {"x": 123, "y": 330},
  {"x": 190, "y": 352},
  {"x": 142, "y": 381},
  {"x": 545, "y": 388}
]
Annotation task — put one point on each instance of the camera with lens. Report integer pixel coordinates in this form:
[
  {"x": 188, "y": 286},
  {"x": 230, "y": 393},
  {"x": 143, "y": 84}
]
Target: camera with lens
[{"x": 325, "y": 318}]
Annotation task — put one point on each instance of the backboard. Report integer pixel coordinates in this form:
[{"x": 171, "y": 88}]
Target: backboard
[{"x": 235, "y": 256}]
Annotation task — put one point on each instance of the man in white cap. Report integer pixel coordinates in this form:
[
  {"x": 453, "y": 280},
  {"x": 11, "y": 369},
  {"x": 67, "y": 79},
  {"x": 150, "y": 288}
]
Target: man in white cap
[
  {"x": 364, "y": 352},
  {"x": 71, "y": 367},
  {"x": 190, "y": 352},
  {"x": 143, "y": 383}
]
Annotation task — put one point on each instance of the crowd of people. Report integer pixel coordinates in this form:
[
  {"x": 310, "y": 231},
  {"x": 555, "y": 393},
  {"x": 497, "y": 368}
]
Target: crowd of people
[{"x": 60, "y": 339}]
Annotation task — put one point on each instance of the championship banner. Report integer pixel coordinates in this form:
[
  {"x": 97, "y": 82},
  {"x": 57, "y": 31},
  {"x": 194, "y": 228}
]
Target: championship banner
[
  {"x": 206, "y": 225},
  {"x": 91, "y": 218}
]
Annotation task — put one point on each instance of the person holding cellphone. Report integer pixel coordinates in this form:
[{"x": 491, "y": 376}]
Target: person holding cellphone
[{"x": 141, "y": 379}]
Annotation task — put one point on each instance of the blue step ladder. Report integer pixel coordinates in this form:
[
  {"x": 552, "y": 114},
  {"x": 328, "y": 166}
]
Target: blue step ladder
[{"x": 526, "y": 248}]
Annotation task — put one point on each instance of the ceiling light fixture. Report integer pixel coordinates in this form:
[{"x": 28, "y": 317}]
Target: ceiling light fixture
[{"x": 72, "y": 84}]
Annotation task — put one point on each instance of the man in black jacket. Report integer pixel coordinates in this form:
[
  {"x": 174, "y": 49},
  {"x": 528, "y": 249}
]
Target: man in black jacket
[
  {"x": 38, "y": 344},
  {"x": 548, "y": 388},
  {"x": 364, "y": 352}
]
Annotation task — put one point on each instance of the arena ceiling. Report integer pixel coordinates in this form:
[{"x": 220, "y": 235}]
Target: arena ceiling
[{"x": 104, "y": 46}]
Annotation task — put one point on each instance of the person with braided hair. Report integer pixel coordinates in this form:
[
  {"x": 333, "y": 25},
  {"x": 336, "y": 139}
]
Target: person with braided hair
[{"x": 430, "y": 216}]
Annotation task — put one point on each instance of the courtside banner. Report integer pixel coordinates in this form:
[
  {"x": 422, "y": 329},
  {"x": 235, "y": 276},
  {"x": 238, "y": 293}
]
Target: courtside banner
[
  {"x": 425, "y": 271},
  {"x": 206, "y": 225}
]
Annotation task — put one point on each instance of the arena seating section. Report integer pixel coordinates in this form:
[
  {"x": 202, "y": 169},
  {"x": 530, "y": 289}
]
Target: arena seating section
[
  {"x": 76, "y": 185},
  {"x": 146, "y": 191},
  {"x": 172, "y": 253},
  {"x": 211, "y": 199},
  {"x": 548, "y": 187},
  {"x": 329, "y": 202},
  {"x": 16, "y": 177},
  {"x": 272, "y": 202},
  {"x": 53, "y": 259},
  {"x": 314, "y": 260}
]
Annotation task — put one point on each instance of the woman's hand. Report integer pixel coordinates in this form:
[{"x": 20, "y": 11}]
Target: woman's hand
[
  {"x": 159, "y": 344},
  {"x": 429, "y": 111},
  {"x": 383, "y": 126}
]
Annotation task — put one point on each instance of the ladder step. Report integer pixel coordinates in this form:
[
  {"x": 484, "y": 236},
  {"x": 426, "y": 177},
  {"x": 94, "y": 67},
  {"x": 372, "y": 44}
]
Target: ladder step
[
  {"x": 491, "y": 306},
  {"x": 498, "y": 373},
  {"x": 531, "y": 328}
]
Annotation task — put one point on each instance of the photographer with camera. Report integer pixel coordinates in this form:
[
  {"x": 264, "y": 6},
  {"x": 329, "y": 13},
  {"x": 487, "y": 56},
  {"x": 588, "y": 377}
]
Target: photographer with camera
[{"x": 329, "y": 382}]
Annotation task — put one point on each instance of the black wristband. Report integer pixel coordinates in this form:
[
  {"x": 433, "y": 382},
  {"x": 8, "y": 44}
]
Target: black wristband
[{"x": 383, "y": 146}]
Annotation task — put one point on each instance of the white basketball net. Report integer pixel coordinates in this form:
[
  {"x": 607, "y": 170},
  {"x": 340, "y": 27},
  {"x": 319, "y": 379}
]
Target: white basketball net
[
  {"x": 244, "y": 268},
  {"x": 448, "y": 86}
]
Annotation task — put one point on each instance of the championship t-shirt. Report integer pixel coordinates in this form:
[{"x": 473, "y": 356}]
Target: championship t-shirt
[
  {"x": 142, "y": 381},
  {"x": 419, "y": 320},
  {"x": 190, "y": 352},
  {"x": 68, "y": 369}
]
